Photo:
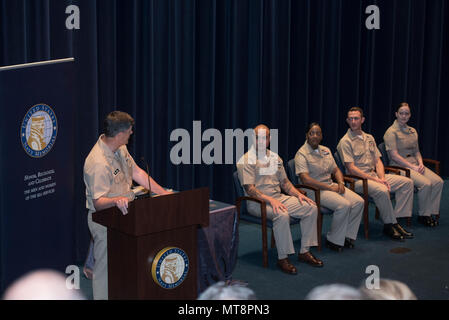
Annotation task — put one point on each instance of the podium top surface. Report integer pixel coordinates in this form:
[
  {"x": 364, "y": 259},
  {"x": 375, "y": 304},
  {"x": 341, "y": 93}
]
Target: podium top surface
[
  {"x": 156, "y": 214},
  {"x": 215, "y": 206}
]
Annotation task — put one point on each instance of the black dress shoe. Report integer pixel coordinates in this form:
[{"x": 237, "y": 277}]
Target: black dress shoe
[
  {"x": 333, "y": 246},
  {"x": 390, "y": 231},
  {"x": 406, "y": 234},
  {"x": 427, "y": 221},
  {"x": 435, "y": 219},
  {"x": 349, "y": 243}
]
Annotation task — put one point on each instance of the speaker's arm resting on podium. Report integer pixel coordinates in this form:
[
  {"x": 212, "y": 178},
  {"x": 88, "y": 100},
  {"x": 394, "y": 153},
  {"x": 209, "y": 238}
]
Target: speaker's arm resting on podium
[
  {"x": 141, "y": 178},
  {"x": 105, "y": 203}
]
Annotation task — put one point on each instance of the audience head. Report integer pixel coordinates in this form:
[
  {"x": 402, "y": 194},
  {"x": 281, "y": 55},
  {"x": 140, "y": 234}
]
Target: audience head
[
  {"x": 334, "y": 292},
  {"x": 222, "y": 291},
  {"x": 41, "y": 285},
  {"x": 388, "y": 290}
]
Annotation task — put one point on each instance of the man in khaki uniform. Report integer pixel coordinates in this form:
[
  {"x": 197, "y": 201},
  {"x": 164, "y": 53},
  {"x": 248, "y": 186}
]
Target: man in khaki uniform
[
  {"x": 314, "y": 164},
  {"x": 262, "y": 174},
  {"x": 358, "y": 151},
  {"x": 108, "y": 173},
  {"x": 401, "y": 143}
]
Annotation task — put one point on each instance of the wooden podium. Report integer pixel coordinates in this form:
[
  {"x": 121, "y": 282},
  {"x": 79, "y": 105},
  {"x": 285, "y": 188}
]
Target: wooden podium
[{"x": 136, "y": 241}]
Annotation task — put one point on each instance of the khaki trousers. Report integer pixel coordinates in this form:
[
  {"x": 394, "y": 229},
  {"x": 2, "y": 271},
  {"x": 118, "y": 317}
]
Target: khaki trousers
[
  {"x": 281, "y": 224},
  {"x": 430, "y": 187},
  {"x": 100, "y": 272},
  {"x": 401, "y": 186},
  {"x": 348, "y": 211}
]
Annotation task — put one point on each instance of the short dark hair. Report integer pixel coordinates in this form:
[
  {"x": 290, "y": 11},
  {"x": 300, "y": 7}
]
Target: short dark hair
[
  {"x": 310, "y": 126},
  {"x": 353, "y": 109},
  {"x": 403, "y": 104},
  {"x": 116, "y": 122}
]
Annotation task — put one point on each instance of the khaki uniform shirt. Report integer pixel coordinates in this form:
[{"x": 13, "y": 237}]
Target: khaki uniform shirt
[
  {"x": 363, "y": 153},
  {"x": 266, "y": 174},
  {"x": 107, "y": 174},
  {"x": 404, "y": 140},
  {"x": 319, "y": 165}
]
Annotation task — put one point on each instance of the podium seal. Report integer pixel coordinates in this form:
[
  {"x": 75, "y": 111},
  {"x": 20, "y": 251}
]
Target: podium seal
[
  {"x": 38, "y": 130},
  {"x": 170, "y": 267}
]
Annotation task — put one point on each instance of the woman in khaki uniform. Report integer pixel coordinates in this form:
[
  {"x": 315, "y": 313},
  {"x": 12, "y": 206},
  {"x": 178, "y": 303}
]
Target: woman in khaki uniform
[
  {"x": 401, "y": 143},
  {"x": 315, "y": 164}
]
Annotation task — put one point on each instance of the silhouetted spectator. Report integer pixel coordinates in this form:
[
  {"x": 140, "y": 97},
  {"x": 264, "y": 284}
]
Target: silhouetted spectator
[
  {"x": 389, "y": 290},
  {"x": 42, "y": 285},
  {"x": 221, "y": 291},
  {"x": 334, "y": 292}
]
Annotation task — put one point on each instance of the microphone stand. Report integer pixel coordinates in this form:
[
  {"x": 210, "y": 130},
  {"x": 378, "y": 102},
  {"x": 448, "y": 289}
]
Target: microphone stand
[{"x": 148, "y": 174}]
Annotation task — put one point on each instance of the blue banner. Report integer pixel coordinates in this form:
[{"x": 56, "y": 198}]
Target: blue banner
[{"x": 37, "y": 169}]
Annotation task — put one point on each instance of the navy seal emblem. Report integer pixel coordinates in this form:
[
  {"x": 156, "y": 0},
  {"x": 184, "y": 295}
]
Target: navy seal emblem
[
  {"x": 39, "y": 130},
  {"x": 170, "y": 267}
]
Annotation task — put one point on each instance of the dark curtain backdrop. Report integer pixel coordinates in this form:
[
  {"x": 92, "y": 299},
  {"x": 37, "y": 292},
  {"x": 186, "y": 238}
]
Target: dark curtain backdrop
[{"x": 234, "y": 64}]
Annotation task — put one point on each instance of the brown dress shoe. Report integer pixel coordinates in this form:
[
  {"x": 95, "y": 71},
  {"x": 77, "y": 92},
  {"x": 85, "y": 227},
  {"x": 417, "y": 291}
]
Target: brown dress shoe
[
  {"x": 286, "y": 266},
  {"x": 310, "y": 259}
]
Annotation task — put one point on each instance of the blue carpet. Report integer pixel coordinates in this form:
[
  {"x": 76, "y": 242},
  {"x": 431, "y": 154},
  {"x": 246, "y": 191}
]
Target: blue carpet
[{"x": 424, "y": 268}]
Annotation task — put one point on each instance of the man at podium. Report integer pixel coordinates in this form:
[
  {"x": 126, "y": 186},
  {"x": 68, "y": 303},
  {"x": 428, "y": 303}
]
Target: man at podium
[{"x": 109, "y": 171}]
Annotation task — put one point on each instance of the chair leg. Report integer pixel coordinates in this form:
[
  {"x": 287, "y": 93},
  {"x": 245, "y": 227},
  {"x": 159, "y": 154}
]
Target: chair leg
[
  {"x": 366, "y": 220},
  {"x": 264, "y": 248},
  {"x": 319, "y": 228},
  {"x": 273, "y": 242},
  {"x": 409, "y": 221}
]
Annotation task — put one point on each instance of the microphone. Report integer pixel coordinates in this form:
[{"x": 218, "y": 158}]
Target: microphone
[{"x": 148, "y": 174}]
